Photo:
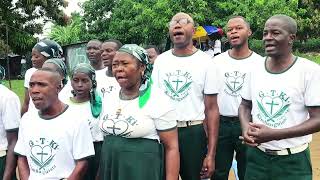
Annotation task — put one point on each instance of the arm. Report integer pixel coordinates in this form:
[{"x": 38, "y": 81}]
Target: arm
[
  {"x": 245, "y": 118},
  {"x": 25, "y": 104},
  {"x": 23, "y": 167},
  {"x": 80, "y": 170},
  {"x": 212, "y": 124},
  {"x": 264, "y": 134},
  {"x": 11, "y": 159},
  {"x": 171, "y": 148}
]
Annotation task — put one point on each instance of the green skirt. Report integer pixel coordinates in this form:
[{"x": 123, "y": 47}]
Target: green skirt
[{"x": 131, "y": 158}]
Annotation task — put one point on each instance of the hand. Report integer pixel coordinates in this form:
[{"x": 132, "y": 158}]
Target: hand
[
  {"x": 261, "y": 133},
  {"x": 207, "y": 167},
  {"x": 246, "y": 139}
]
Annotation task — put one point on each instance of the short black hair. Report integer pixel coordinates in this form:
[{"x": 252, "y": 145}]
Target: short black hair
[
  {"x": 154, "y": 47},
  {"x": 290, "y": 23},
  {"x": 117, "y": 42},
  {"x": 240, "y": 17}
]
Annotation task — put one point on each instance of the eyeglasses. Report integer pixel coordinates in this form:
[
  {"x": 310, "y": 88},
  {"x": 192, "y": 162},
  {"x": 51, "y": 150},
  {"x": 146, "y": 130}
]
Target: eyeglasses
[{"x": 182, "y": 22}]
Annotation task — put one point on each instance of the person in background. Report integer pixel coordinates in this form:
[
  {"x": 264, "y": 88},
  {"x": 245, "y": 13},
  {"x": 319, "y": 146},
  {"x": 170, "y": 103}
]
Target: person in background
[
  {"x": 153, "y": 52},
  {"x": 89, "y": 104},
  {"x": 108, "y": 83},
  {"x": 135, "y": 121},
  {"x": 55, "y": 142},
  {"x": 43, "y": 50},
  {"x": 9, "y": 124},
  {"x": 280, "y": 107},
  {"x": 234, "y": 66}
]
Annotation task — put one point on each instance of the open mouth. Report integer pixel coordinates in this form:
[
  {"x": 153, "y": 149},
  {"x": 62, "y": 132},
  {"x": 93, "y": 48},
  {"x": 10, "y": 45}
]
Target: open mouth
[
  {"x": 234, "y": 38},
  {"x": 36, "y": 99},
  {"x": 178, "y": 33}
]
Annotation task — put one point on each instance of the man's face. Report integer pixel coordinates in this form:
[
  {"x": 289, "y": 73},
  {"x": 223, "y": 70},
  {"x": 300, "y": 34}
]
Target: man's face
[
  {"x": 181, "y": 30},
  {"x": 108, "y": 52},
  {"x": 152, "y": 53},
  {"x": 238, "y": 32},
  {"x": 44, "y": 89},
  {"x": 94, "y": 51},
  {"x": 276, "y": 38}
]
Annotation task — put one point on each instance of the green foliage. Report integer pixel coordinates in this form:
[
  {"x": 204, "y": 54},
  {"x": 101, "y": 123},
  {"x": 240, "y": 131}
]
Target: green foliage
[
  {"x": 20, "y": 16},
  {"x": 69, "y": 34},
  {"x": 17, "y": 87},
  {"x": 312, "y": 45},
  {"x": 256, "y": 46}
]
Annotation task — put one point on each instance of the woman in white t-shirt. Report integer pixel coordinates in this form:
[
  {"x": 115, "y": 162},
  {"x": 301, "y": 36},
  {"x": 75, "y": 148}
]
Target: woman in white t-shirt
[
  {"x": 88, "y": 103},
  {"x": 135, "y": 121}
]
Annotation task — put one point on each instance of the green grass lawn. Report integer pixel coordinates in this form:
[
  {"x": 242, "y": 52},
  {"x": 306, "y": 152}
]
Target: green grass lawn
[{"x": 17, "y": 87}]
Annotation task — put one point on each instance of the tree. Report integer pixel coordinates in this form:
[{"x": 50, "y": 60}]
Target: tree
[
  {"x": 20, "y": 18},
  {"x": 70, "y": 34}
]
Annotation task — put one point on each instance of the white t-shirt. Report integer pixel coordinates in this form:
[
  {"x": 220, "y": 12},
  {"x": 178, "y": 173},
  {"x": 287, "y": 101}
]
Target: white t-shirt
[
  {"x": 210, "y": 52},
  {"x": 85, "y": 110},
  {"x": 217, "y": 46},
  {"x": 280, "y": 100},
  {"x": 9, "y": 114},
  {"x": 186, "y": 80},
  {"x": 107, "y": 85},
  {"x": 27, "y": 78},
  {"x": 52, "y": 146},
  {"x": 125, "y": 118},
  {"x": 232, "y": 73}
]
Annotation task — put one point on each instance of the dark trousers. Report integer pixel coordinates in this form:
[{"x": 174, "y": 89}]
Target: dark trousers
[
  {"x": 193, "y": 148},
  {"x": 228, "y": 143}
]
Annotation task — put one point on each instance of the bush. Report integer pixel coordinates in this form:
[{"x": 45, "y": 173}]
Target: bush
[
  {"x": 311, "y": 45},
  {"x": 256, "y": 46}
]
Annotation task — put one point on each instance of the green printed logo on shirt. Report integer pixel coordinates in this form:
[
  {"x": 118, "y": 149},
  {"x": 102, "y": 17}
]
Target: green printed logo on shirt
[
  {"x": 42, "y": 154},
  {"x": 234, "y": 82},
  {"x": 178, "y": 84},
  {"x": 273, "y": 107},
  {"x": 118, "y": 125}
]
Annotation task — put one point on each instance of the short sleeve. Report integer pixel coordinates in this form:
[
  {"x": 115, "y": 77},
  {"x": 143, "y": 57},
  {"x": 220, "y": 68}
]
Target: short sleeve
[
  {"x": 312, "y": 81},
  {"x": 167, "y": 121},
  {"x": 82, "y": 141},
  {"x": 245, "y": 92},
  {"x": 21, "y": 145},
  {"x": 27, "y": 77},
  {"x": 11, "y": 114},
  {"x": 212, "y": 81}
]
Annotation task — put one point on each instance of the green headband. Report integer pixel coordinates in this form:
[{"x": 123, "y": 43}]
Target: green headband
[{"x": 142, "y": 55}]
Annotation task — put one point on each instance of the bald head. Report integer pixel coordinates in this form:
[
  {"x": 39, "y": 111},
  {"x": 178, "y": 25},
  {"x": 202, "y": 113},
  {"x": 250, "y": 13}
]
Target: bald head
[
  {"x": 289, "y": 23},
  {"x": 182, "y": 15}
]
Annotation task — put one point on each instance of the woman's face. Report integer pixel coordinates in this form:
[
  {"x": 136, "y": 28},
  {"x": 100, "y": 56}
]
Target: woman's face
[
  {"x": 81, "y": 84},
  {"x": 127, "y": 70},
  {"x": 37, "y": 59}
]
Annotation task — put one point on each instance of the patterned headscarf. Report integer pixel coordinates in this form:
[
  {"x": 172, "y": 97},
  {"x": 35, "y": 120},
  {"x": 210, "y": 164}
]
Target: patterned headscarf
[
  {"x": 49, "y": 49},
  {"x": 61, "y": 67},
  {"x": 2, "y": 73},
  {"x": 142, "y": 55},
  {"x": 95, "y": 99}
]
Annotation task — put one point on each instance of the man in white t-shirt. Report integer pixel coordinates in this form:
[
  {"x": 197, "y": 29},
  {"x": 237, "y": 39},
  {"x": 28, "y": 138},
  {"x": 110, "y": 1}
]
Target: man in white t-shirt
[
  {"x": 280, "y": 107},
  {"x": 9, "y": 124},
  {"x": 188, "y": 77},
  {"x": 55, "y": 142},
  {"x": 234, "y": 65},
  {"x": 106, "y": 82}
]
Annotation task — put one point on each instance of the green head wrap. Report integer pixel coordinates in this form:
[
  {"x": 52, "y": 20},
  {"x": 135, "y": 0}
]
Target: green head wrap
[
  {"x": 95, "y": 99},
  {"x": 61, "y": 67},
  {"x": 2, "y": 73},
  {"x": 142, "y": 55}
]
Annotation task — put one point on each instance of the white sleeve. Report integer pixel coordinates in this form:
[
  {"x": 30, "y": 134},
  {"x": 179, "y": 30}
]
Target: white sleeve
[
  {"x": 245, "y": 92},
  {"x": 11, "y": 114},
  {"x": 82, "y": 141},
  {"x": 21, "y": 146},
  {"x": 212, "y": 81},
  {"x": 167, "y": 121},
  {"x": 27, "y": 77},
  {"x": 312, "y": 83},
  {"x": 155, "y": 73}
]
